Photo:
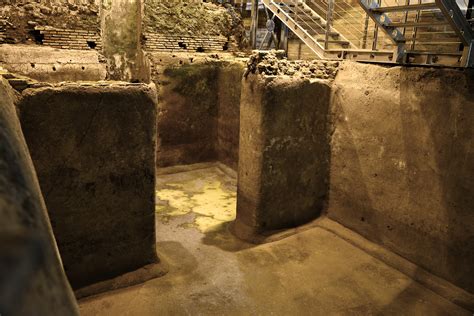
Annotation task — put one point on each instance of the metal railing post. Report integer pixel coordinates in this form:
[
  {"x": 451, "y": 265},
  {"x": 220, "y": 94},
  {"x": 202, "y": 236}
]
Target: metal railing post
[
  {"x": 366, "y": 31},
  {"x": 415, "y": 29},
  {"x": 328, "y": 23},
  {"x": 254, "y": 24},
  {"x": 376, "y": 31}
]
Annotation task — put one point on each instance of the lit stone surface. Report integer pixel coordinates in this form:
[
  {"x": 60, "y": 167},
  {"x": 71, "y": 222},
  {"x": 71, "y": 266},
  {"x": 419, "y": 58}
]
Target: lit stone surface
[{"x": 208, "y": 192}]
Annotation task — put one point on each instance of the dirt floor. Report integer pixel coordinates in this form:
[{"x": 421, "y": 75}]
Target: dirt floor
[{"x": 213, "y": 273}]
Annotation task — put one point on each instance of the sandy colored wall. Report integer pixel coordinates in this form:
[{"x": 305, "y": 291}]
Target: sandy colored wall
[
  {"x": 94, "y": 148},
  {"x": 199, "y": 101},
  {"x": 32, "y": 278},
  {"x": 402, "y": 163},
  {"x": 228, "y": 119},
  {"x": 188, "y": 107},
  {"x": 283, "y": 155},
  {"x": 52, "y": 65}
]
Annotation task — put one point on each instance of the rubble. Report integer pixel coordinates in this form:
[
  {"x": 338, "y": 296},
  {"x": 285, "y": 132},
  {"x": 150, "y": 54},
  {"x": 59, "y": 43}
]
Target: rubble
[{"x": 273, "y": 63}]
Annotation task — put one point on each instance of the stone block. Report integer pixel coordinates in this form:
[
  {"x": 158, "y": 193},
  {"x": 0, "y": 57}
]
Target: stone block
[{"x": 94, "y": 152}]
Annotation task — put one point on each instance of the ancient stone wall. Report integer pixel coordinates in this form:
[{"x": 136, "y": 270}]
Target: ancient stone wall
[
  {"x": 284, "y": 145},
  {"x": 402, "y": 163},
  {"x": 389, "y": 154},
  {"x": 32, "y": 277},
  {"x": 179, "y": 25},
  {"x": 188, "y": 108},
  {"x": 53, "y": 65},
  {"x": 20, "y": 17},
  {"x": 94, "y": 149},
  {"x": 199, "y": 101},
  {"x": 228, "y": 117}
]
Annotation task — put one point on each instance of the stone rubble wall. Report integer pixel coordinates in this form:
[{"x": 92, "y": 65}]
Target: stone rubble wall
[
  {"x": 21, "y": 17},
  {"x": 272, "y": 63}
]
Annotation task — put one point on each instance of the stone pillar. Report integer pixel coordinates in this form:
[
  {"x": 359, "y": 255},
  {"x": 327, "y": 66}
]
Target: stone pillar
[
  {"x": 121, "y": 24},
  {"x": 283, "y": 155}
]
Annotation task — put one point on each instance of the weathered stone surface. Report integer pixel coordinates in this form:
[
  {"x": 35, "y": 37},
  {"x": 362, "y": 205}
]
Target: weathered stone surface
[
  {"x": 402, "y": 163},
  {"x": 52, "y": 65},
  {"x": 121, "y": 39},
  {"x": 228, "y": 118},
  {"x": 284, "y": 153},
  {"x": 23, "y": 16},
  {"x": 187, "y": 121},
  {"x": 32, "y": 278},
  {"x": 182, "y": 17},
  {"x": 272, "y": 63},
  {"x": 94, "y": 151},
  {"x": 199, "y": 102}
]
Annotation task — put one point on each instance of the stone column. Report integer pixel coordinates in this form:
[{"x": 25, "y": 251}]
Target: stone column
[{"x": 121, "y": 23}]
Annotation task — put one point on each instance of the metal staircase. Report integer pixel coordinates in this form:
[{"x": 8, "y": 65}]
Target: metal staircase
[
  {"x": 415, "y": 31},
  {"x": 314, "y": 30},
  {"x": 430, "y": 26}
]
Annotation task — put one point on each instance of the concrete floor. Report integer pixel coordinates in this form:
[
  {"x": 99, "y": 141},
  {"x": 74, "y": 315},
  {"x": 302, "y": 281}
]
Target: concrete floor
[{"x": 313, "y": 272}]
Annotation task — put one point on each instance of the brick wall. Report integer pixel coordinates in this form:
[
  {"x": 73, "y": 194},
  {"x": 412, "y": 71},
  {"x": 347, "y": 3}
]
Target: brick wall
[
  {"x": 70, "y": 38},
  {"x": 186, "y": 43}
]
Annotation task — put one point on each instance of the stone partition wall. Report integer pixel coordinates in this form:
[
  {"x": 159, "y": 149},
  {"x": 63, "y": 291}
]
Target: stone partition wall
[
  {"x": 228, "y": 116},
  {"x": 32, "y": 279},
  {"x": 199, "y": 101},
  {"x": 93, "y": 147},
  {"x": 284, "y": 152},
  {"x": 402, "y": 163},
  {"x": 188, "y": 108}
]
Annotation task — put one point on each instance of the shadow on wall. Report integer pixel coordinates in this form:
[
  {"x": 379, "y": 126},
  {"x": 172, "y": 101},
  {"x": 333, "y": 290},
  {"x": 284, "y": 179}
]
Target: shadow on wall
[
  {"x": 93, "y": 148},
  {"x": 199, "y": 107},
  {"x": 187, "y": 120},
  {"x": 402, "y": 164},
  {"x": 437, "y": 116}
]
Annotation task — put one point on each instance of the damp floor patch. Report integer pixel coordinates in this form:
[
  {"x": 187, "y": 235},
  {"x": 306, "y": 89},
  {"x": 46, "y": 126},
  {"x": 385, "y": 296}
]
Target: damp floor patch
[{"x": 205, "y": 195}]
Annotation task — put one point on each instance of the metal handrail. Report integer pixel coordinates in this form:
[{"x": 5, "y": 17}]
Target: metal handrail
[{"x": 289, "y": 18}]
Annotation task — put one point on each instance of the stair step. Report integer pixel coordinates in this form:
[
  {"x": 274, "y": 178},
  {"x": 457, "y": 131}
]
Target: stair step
[
  {"x": 401, "y": 8},
  {"x": 342, "y": 43},
  {"x": 417, "y": 24}
]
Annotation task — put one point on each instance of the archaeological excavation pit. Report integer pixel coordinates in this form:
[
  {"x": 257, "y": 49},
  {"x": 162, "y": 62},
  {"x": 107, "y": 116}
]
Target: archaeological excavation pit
[{"x": 236, "y": 158}]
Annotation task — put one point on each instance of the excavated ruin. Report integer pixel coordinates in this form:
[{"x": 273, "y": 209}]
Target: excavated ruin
[{"x": 149, "y": 165}]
